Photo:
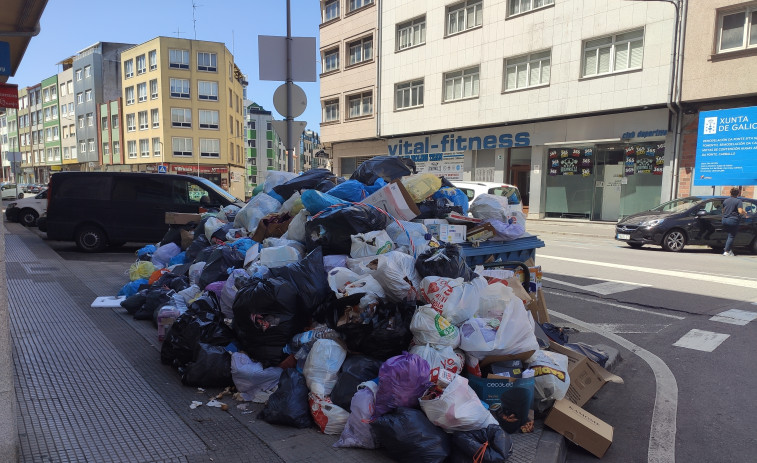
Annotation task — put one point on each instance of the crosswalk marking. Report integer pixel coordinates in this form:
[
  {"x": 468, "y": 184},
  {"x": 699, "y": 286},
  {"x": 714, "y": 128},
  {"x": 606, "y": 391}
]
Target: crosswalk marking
[
  {"x": 735, "y": 317},
  {"x": 605, "y": 288},
  {"x": 705, "y": 341},
  {"x": 631, "y": 328}
]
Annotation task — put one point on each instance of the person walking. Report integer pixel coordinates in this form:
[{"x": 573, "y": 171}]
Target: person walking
[{"x": 733, "y": 210}]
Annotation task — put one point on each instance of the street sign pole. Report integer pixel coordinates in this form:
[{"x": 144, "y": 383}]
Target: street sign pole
[{"x": 289, "y": 118}]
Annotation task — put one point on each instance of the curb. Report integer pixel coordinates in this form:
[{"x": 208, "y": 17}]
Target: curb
[
  {"x": 551, "y": 448},
  {"x": 9, "y": 439}
]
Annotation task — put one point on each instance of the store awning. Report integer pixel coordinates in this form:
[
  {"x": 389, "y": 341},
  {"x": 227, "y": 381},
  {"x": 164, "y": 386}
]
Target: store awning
[{"x": 19, "y": 22}]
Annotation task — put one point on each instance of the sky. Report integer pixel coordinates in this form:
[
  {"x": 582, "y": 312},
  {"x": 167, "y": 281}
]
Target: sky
[{"x": 68, "y": 26}]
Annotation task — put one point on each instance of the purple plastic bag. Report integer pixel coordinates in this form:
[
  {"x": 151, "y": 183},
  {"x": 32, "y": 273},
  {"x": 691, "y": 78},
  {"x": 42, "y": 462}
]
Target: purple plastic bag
[
  {"x": 402, "y": 381},
  {"x": 216, "y": 287},
  {"x": 357, "y": 431}
]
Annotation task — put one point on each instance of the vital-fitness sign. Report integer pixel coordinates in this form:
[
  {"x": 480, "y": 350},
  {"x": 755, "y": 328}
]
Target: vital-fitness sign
[{"x": 727, "y": 147}]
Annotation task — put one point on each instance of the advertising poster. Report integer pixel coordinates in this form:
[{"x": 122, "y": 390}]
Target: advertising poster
[
  {"x": 570, "y": 161},
  {"x": 644, "y": 159},
  {"x": 727, "y": 147},
  {"x": 448, "y": 165}
]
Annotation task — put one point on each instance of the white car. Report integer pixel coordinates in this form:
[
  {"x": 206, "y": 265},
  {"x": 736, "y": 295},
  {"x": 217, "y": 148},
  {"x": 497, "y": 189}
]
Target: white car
[
  {"x": 473, "y": 189},
  {"x": 26, "y": 211},
  {"x": 11, "y": 191}
]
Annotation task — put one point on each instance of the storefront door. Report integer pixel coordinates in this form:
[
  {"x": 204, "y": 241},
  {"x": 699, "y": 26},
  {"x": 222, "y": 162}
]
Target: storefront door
[{"x": 608, "y": 185}]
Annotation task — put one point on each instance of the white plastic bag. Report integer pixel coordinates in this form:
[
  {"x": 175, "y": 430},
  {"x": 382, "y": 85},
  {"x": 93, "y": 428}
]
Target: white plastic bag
[
  {"x": 322, "y": 366},
  {"x": 454, "y": 298},
  {"x": 413, "y": 233},
  {"x": 512, "y": 334},
  {"x": 251, "y": 379},
  {"x": 329, "y": 417},
  {"x": 488, "y": 206},
  {"x": 551, "y": 374},
  {"x": 365, "y": 284},
  {"x": 163, "y": 255},
  {"x": 279, "y": 256},
  {"x": 458, "y": 408},
  {"x": 357, "y": 432},
  {"x": 258, "y": 207},
  {"x": 363, "y": 265},
  {"x": 339, "y": 277},
  {"x": 195, "y": 270},
  {"x": 493, "y": 300},
  {"x": 296, "y": 230},
  {"x": 396, "y": 274},
  {"x": 369, "y": 244},
  {"x": 274, "y": 178},
  {"x": 440, "y": 357},
  {"x": 429, "y": 326},
  {"x": 290, "y": 203},
  {"x": 229, "y": 291},
  {"x": 212, "y": 225}
]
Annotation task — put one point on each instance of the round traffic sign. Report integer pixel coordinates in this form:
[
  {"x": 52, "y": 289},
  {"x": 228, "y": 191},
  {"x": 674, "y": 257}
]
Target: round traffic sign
[{"x": 299, "y": 100}]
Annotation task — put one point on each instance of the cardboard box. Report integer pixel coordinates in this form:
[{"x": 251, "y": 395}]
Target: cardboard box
[
  {"x": 480, "y": 233},
  {"x": 538, "y": 307},
  {"x": 534, "y": 277},
  {"x": 182, "y": 218},
  {"x": 428, "y": 222},
  {"x": 580, "y": 427},
  {"x": 395, "y": 200},
  {"x": 586, "y": 376},
  {"x": 448, "y": 233}
]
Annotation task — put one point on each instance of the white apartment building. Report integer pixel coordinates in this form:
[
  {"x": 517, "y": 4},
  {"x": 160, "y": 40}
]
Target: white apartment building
[{"x": 565, "y": 98}]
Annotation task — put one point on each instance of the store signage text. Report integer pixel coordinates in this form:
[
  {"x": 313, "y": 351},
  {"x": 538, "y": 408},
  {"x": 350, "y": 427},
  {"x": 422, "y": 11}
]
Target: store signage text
[
  {"x": 645, "y": 134},
  {"x": 727, "y": 147},
  {"x": 450, "y": 143}
]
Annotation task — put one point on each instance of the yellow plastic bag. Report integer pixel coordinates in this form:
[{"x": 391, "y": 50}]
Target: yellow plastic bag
[
  {"x": 421, "y": 186},
  {"x": 141, "y": 269}
]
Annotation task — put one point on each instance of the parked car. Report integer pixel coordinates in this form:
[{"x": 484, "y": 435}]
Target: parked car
[
  {"x": 473, "y": 189},
  {"x": 684, "y": 221},
  {"x": 97, "y": 209},
  {"x": 11, "y": 191},
  {"x": 26, "y": 211}
]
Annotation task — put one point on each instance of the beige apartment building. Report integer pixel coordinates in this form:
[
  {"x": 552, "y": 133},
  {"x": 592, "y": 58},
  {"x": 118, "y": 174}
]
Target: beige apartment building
[
  {"x": 720, "y": 61},
  {"x": 349, "y": 65},
  {"x": 67, "y": 113},
  {"x": 183, "y": 110}
]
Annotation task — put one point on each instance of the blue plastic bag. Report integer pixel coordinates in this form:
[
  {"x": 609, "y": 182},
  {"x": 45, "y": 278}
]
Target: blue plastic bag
[
  {"x": 458, "y": 197},
  {"x": 315, "y": 201},
  {"x": 147, "y": 250},
  {"x": 178, "y": 259},
  {"x": 351, "y": 190},
  {"x": 243, "y": 245},
  {"x": 131, "y": 288}
]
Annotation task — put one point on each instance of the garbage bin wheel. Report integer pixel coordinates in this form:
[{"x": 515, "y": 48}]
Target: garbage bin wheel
[
  {"x": 91, "y": 238},
  {"x": 28, "y": 217}
]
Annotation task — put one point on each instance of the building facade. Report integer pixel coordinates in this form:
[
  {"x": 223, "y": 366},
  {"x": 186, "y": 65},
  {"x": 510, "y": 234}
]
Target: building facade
[
  {"x": 568, "y": 103},
  {"x": 183, "y": 109},
  {"x": 311, "y": 155},
  {"x": 51, "y": 157},
  {"x": 261, "y": 145},
  {"x": 67, "y": 112}
]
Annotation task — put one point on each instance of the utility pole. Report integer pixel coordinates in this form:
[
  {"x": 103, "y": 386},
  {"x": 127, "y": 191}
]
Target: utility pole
[{"x": 289, "y": 83}]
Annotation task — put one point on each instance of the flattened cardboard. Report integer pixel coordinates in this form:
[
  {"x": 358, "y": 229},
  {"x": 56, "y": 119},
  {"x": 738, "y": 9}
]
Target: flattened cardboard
[
  {"x": 580, "y": 427},
  {"x": 505, "y": 358},
  {"x": 181, "y": 218},
  {"x": 538, "y": 307},
  {"x": 586, "y": 376},
  {"x": 395, "y": 200}
]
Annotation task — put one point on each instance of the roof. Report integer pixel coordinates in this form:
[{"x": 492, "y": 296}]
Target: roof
[{"x": 18, "y": 24}]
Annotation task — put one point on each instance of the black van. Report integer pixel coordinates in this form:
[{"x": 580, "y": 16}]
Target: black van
[{"x": 97, "y": 209}]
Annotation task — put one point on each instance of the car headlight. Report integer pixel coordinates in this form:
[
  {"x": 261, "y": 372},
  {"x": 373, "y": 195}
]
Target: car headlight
[{"x": 652, "y": 223}]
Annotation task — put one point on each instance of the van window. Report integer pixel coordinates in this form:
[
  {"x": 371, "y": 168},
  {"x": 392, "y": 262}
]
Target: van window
[
  {"x": 84, "y": 188},
  {"x": 511, "y": 193},
  {"x": 140, "y": 189},
  {"x": 197, "y": 194}
]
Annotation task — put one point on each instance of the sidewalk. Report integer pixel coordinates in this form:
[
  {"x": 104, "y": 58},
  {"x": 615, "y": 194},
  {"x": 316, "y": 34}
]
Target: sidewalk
[
  {"x": 571, "y": 227},
  {"x": 90, "y": 385}
]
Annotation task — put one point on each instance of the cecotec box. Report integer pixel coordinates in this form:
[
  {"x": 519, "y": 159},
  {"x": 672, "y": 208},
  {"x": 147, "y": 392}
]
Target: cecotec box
[{"x": 580, "y": 427}]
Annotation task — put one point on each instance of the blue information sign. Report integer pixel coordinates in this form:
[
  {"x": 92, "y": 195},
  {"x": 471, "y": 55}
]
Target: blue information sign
[
  {"x": 5, "y": 59},
  {"x": 162, "y": 169},
  {"x": 727, "y": 147}
]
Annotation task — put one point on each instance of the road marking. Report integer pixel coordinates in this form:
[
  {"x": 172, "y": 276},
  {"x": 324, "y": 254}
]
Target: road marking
[
  {"x": 605, "y": 288},
  {"x": 673, "y": 273},
  {"x": 630, "y": 328},
  {"x": 620, "y": 306},
  {"x": 662, "y": 434},
  {"x": 705, "y": 341},
  {"x": 735, "y": 317}
]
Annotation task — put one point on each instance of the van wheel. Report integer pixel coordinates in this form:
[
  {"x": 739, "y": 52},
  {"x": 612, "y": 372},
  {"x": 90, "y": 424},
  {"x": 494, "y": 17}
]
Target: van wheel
[
  {"x": 28, "y": 217},
  {"x": 21, "y": 195},
  {"x": 91, "y": 238}
]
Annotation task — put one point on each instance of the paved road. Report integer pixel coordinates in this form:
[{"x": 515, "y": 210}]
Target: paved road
[{"x": 684, "y": 326}]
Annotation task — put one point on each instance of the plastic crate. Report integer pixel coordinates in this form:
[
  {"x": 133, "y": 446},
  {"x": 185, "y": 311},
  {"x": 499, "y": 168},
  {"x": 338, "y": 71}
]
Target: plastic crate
[{"x": 519, "y": 250}]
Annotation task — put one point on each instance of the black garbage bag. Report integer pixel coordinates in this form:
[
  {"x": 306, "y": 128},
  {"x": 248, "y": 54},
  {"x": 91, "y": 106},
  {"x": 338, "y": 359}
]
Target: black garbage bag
[
  {"x": 198, "y": 244},
  {"x": 437, "y": 208},
  {"x": 306, "y": 181},
  {"x": 513, "y": 411},
  {"x": 266, "y": 318},
  {"x": 446, "y": 261},
  {"x": 467, "y": 445},
  {"x": 173, "y": 235},
  {"x": 218, "y": 263},
  {"x": 288, "y": 405},
  {"x": 356, "y": 369},
  {"x": 155, "y": 298},
  {"x": 211, "y": 367},
  {"x": 220, "y": 234},
  {"x": 409, "y": 436},
  {"x": 173, "y": 281},
  {"x": 593, "y": 353},
  {"x": 389, "y": 168},
  {"x": 134, "y": 302},
  {"x": 309, "y": 278},
  {"x": 325, "y": 186},
  {"x": 333, "y": 229}
]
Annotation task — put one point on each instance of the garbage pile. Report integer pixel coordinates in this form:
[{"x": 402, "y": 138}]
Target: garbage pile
[{"x": 349, "y": 305}]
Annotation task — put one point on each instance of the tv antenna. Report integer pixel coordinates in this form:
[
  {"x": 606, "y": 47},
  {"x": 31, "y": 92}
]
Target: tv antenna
[
  {"x": 194, "y": 19},
  {"x": 178, "y": 32}
]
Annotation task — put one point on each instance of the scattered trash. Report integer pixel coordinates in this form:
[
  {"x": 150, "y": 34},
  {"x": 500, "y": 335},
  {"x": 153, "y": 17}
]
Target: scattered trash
[{"x": 195, "y": 404}]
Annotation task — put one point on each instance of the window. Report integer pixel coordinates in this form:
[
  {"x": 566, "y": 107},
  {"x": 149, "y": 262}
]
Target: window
[
  {"x": 330, "y": 110},
  {"x": 252, "y": 143},
  {"x": 87, "y": 71},
  {"x": 181, "y": 146},
  {"x": 56, "y": 133},
  {"x": 330, "y": 10},
  {"x": 106, "y": 148},
  {"x": 268, "y": 125},
  {"x": 361, "y": 50},
  {"x": 65, "y": 153},
  {"x": 71, "y": 107},
  {"x": 46, "y": 95},
  {"x": 143, "y": 125},
  {"x": 411, "y": 33},
  {"x": 270, "y": 144},
  {"x": 522, "y": 6},
  {"x": 252, "y": 125},
  {"x": 331, "y": 60},
  {"x": 131, "y": 148},
  {"x": 144, "y": 147},
  {"x": 409, "y": 94},
  {"x": 48, "y": 134},
  {"x": 210, "y": 147},
  {"x": 131, "y": 124},
  {"x": 527, "y": 71},
  {"x": 63, "y": 89},
  {"x": 355, "y": 4},
  {"x": 206, "y": 62},
  {"x": 54, "y": 112},
  {"x": 142, "y": 92},
  {"x": 614, "y": 53},
  {"x": 360, "y": 105},
  {"x": 54, "y": 92},
  {"x": 78, "y": 74},
  {"x": 88, "y": 95},
  {"x": 47, "y": 114},
  {"x": 270, "y": 162},
  {"x": 116, "y": 148},
  {"x": 91, "y": 143},
  {"x": 178, "y": 59},
  {"x": 128, "y": 68},
  {"x": 208, "y": 119},
  {"x": 82, "y": 146},
  {"x": 129, "y": 95},
  {"x": 153, "y": 56},
  {"x": 141, "y": 64},
  {"x": 180, "y": 88},
  {"x": 464, "y": 16},
  {"x": 79, "y": 98},
  {"x": 90, "y": 119},
  {"x": 737, "y": 30},
  {"x": 104, "y": 122},
  {"x": 207, "y": 90},
  {"x": 70, "y": 87},
  {"x": 155, "y": 116},
  {"x": 156, "y": 147},
  {"x": 154, "y": 89},
  {"x": 461, "y": 84},
  {"x": 181, "y": 117},
  {"x": 81, "y": 122},
  {"x": 114, "y": 121}
]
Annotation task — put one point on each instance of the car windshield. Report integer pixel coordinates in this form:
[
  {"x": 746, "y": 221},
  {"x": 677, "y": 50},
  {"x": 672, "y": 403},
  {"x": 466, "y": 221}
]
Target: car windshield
[{"x": 677, "y": 205}]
